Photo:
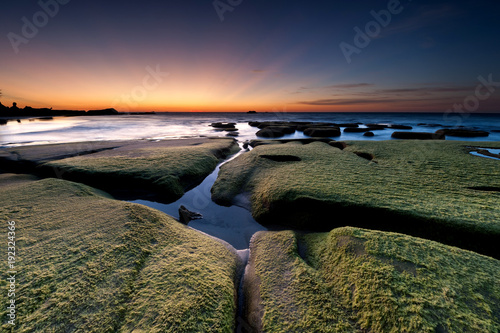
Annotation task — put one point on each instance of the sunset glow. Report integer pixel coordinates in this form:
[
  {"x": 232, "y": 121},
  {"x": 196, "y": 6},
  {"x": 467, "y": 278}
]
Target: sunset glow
[{"x": 281, "y": 56}]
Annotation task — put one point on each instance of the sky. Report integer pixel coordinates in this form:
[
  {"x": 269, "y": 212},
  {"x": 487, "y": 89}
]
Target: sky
[{"x": 240, "y": 55}]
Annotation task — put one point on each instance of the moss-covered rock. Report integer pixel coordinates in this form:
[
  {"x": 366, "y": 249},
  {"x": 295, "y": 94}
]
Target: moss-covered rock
[
  {"x": 355, "y": 280},
  {"x": 166, "y": 168},
  {"x": 423, "y": 188},
  {"x": 88, "y": 263}
]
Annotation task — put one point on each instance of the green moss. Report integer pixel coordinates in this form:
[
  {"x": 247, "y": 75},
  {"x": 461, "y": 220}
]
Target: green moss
[
  {"x": 355, "y": 280},
  {"x": 87, "y": 263},
  {"x": 424, "y": 188},
  {"x": 167, "y": 170}
]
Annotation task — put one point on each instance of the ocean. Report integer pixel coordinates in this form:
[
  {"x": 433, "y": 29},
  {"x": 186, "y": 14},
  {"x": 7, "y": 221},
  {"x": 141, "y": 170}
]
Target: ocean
[{"x": 173, "y": 125}]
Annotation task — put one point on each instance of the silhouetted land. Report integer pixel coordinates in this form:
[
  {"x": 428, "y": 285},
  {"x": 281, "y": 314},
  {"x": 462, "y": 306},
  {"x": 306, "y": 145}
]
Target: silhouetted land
[{"x": 27, "y": 111}]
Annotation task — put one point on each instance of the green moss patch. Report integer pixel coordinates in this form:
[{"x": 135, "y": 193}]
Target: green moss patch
[
  {"x": 423, "y": 188},
  {"x": 167, "y": 168},
  {"x": 88, "y": 263},
  {"x": 355, "y": 280}
]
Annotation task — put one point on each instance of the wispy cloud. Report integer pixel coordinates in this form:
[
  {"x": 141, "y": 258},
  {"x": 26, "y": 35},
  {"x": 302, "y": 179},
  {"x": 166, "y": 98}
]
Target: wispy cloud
[
  {"x": 425, "y": 16},
  {"x": 346, "y": 101},
  {"x": 257, "y": 71},
  {"x": 350, "y": 86}
]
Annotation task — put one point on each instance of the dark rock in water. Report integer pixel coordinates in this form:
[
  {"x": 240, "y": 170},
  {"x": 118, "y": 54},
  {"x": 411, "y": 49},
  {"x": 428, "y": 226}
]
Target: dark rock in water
[
  {"x": 303, "y": 126},
  {"x": 338, "y": 144},
  {"x": 369, "y": 134},
  {"x": 464, "y": 133},
  {"x": 403, "y": 127},
  {"x": 356, "y": 129},
  {"x": 304, "y": 141},
  {"x": 252, "y": 111},
  {"x": 3, "y": 121},
  {"x": 254, "y": 123},
  {"x": 223, "y": 125},
  {"x": 245, "y": 145},
  {"x": 418, "y": 136},
  {"x": 275, "y": 131},
  {"x": 185, "y": 215},
  {"x": 322, "y": 131},
  {"x": 282, "y": 158},
  {"x": 233, "y": 134}
]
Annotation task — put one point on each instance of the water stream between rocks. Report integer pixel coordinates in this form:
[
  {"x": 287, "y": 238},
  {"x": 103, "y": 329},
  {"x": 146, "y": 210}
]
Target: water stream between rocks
[{"x": 234, "y": 224}]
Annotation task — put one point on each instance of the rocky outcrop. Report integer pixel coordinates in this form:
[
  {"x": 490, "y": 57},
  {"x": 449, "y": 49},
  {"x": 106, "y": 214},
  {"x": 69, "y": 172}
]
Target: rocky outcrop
[
  {"x": 461, "y": 132},
  {"x": 418, "y": 136},
  {"x": 275, "y": 131},
  {"x": 185, "y": 215},
  {"x": 320, "y": 132}
]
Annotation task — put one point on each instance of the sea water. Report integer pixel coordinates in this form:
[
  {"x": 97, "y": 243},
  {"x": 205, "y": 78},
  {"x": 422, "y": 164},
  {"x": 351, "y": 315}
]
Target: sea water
[{"x": 174, "y": 125}]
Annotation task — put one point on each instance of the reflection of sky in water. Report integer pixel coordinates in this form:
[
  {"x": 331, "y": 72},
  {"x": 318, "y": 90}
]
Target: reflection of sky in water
[
  {"x": 233, "y": 224},
  {"x": 493, "y": 151}
]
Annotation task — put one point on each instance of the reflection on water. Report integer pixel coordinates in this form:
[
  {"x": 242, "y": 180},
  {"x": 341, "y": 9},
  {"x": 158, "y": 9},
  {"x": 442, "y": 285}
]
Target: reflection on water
[
  {"x": 233, "y": 224},
  {"x": 490, "y": 150}
]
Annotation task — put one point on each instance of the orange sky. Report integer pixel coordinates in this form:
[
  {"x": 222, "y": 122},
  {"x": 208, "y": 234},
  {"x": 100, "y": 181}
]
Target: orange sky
[{"x": 95, "y": 55}]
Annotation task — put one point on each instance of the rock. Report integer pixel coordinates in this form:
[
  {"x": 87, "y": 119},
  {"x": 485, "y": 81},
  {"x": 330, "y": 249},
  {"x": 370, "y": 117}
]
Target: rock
[
  {"x": 185, "y": 215},
  {"x": 304, "y": 141},
  {"x": 322, "y": 131},
  {"x": 274, "y": 131},
  {"x": 403, "y": 127},
  {"x": 338, "y": 144},
  {"x": 252, "y": 111},
  {"x": 356, "y": 129},
  {"x": 254, "y": 123},
  {"x": 418, "y": 136},
  {"x": 369, "y": 134},
  {"x": 302, "y": 127},
  {"x": 224, "y": 125},
  {"x": 464, "y": 133},
  {"x": 232, "y": 134}
]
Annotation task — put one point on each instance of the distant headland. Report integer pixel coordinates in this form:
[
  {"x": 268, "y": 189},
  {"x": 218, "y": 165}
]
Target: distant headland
[{"x": 28, "y": 111}]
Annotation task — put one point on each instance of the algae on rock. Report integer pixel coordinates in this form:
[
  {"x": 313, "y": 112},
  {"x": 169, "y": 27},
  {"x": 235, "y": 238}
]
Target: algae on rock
[
  {"x": 86, "y": 262},
  {"x": 356, "y": 280},
  {"x": 423, "y": 188}
]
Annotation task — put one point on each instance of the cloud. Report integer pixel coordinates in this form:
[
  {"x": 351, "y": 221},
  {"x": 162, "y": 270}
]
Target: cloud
[
  {"x": 350, "y": 86},
  {"x": 425, "y": 90},
  {"x": 426, "y": 16},
  {"x": 349, "y": 101}
]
